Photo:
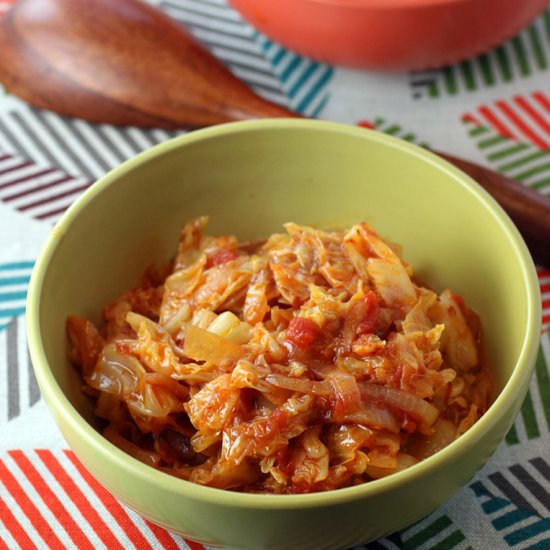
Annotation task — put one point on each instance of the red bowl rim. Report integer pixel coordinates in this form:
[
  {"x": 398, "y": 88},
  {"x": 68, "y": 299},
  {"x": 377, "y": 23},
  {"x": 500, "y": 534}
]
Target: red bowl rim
[{"x": 387, "y": 4}]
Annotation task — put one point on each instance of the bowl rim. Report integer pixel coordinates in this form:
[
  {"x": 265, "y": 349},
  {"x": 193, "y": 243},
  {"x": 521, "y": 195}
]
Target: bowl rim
[
  {"x": 57, "y": 401},
  {"x": 381, "y": 4}
]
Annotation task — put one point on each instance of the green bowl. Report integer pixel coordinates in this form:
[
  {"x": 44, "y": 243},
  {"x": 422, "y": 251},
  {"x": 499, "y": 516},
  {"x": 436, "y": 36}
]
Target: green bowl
[{"x": 251, "y": 177}]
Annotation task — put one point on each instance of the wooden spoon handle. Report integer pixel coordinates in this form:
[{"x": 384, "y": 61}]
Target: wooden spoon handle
[{"x": 528, "y": 209}]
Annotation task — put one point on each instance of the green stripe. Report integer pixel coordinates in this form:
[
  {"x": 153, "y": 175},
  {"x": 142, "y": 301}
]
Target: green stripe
[
  {"x": 449, "y": 79},
  {"x": 468, "y": 74},
  {"x": 486, "y": 69},
  {"x": 543, "y": 383},
  {"x": 494, "y": 140},
  {"x": 503, "y": 63},
  {"x": 529, "y": 417},
  {"x": 521, "y": 55},
  {"x": 516, "y": 148},
  {"x": 546, "y": 21},
  {"x": 512, "y": 436},
  {"x": 477, "y": 130},
  {"x": 393, "y": 129},
  {"x": 455, "y": 538},
  {"x": 540, "y": 183},
  {"x": 537, "y": 47},
  {"x": 409, "y": 137},
  {"x": 433, "y": 89},
  {"x": 532, "y": 171},
  {"x": 379, "y": 121},
  {"x": 427, "y": 533},
  {"x": 524, "y": 160}
]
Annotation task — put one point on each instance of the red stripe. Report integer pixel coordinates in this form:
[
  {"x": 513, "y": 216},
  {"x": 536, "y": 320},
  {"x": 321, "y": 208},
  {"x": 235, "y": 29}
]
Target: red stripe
[
  {"x": 29, "y": 509},
  {"x": 545, "y": 288},
  {"x": 366, "y": 124},
  {"x": 43, "y": 187},
  {"x": 163, "y": 536},
  {"x": 13, "y": 526},
  {"x": 79, "y": 500},
  {"x": 5, "y": 157},
  {"x": 27, "y": 178},
  {"x": 543, "y": 100},
  {"x": 543, "y": 272},
  {"x": 52, "y": 198},
  {"x": 194, "y": 545},
  {"x": 51, "y": 501},
  {"x": 470, "y": 118},
  {"x": 527, "y": 131},
  {"x": 16, "y": 167},
  {"x": 112, "y": 505},
  {"x": 4, "y": 546},
  {"x": 535, "y": 115},
  {"x": 495, "y": 122}
]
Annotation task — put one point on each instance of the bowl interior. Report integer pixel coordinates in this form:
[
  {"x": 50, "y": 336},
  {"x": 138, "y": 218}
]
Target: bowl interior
[{"x": 258, "y": 176}]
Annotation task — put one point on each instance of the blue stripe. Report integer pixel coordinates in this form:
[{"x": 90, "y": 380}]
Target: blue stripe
[
  {"x": 290, "y": 68},
  {"x": 325, "y": 77},
  {"x": 478, "y": 488},
  {"x": 543, "y": 544},
  {"x": 267, "y": 45},
  {"x": 528, "y": 532},
  {"x": 15, "y": 280},
  {"x": 11, "y": 312},
  {"x": 277, "y": 58},
  {"x": 16, "y": 265},
  {"x": 303, "y": 79},
  {"x": 511, "y": 518},
  {"x": 16, "y": 295},
  {"x": 494, "y": 505},
  {"x": 320, "y": 107}
]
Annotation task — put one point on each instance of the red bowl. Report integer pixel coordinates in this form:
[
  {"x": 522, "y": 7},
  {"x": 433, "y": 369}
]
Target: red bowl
[{"x": 390, "y": 34}]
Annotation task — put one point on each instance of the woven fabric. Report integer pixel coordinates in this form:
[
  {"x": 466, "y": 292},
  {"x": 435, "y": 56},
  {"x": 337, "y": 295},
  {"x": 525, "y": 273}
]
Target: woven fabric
[{"x": 494, "y": 110}]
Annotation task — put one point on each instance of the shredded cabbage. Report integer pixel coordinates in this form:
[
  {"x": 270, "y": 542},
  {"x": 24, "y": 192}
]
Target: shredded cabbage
[{"x": 307, "y": 362}]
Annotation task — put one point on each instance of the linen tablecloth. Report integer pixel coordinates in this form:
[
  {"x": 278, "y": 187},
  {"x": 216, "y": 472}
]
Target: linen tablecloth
[{"x": 493, "y": 109}]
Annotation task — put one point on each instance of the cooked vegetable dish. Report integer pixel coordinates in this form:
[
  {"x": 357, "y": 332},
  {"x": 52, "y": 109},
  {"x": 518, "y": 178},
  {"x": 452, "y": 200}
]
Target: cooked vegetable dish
[{"x": 307, "y": 362}]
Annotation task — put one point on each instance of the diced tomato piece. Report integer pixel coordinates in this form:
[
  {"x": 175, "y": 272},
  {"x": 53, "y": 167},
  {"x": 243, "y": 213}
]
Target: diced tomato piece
[
  {"x": 220, "y": 257},
  {"x": 368, "y": 323},
  {"x": 302, "y": 332}
]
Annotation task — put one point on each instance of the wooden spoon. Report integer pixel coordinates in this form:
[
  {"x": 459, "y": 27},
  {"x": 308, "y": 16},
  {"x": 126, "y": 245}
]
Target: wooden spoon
[
  {"x": 120, "y": 62},
  {"x": 124, "y": 62}
]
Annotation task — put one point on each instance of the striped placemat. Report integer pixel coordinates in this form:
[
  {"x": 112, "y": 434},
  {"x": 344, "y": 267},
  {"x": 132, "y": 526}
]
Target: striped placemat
[{"x": 493, "y": 109}]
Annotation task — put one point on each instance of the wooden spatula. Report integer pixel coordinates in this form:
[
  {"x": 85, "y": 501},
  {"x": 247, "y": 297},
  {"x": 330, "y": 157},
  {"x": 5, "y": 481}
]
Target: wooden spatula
[
  {"x": 124, "y": 62},
  {"x": 120, "y": 62}
]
